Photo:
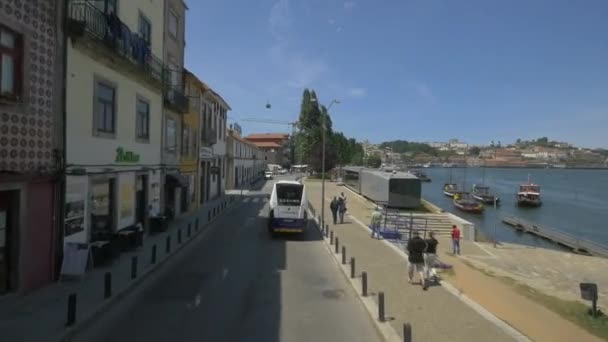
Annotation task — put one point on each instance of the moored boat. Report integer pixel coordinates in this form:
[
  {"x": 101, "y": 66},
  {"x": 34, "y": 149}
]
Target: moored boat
[
  {"x": 449, "y": 189},
  {"x": 420, "y": 175},
  {"x": 529, "y": 195},
  {"x": 465, "y": 202},
  {"x": 482, "y": 194}
]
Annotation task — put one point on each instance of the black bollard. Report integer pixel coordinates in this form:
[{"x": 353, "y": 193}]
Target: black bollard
[
  {"x": 326, "y": 230},
  {"x": 407, "y": 332},
  {"x": 364, "y": 284},
  {"x": 168, "y": 244},
  {"x": 189, "y": 229},
  {"x": 381, "y": 317},
  {"x": 331, "y": 237},
  {"x": 153, "y": 257},
  {"x": 107, "y": 285},
  {"x": 352, "y": 268},
  {"x": 71, "y": 310},
  {"x": 337, "y": 245},
  {"x": 179, "y": 236},
  {"x": 343, "y": 255},
  {"x": 134, "y": 267}
]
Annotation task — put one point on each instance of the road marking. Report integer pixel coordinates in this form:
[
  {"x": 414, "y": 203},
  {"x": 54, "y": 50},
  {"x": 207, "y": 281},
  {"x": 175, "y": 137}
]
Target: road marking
[{"x": 483, "y": 248}]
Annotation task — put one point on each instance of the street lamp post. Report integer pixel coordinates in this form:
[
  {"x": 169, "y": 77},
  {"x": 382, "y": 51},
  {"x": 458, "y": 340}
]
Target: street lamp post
[{"x": 324, "y": 129}]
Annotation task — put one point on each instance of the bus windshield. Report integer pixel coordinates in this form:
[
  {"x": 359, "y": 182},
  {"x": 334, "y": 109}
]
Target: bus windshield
[{"x": 289, "y": 194}]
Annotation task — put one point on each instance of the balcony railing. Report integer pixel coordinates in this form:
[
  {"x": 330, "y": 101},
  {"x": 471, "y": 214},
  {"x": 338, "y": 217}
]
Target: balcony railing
[
  {"x": 84, "y": 18},
  {"x": 209, "y": 136},
  {"x": 176, "y": 99}
]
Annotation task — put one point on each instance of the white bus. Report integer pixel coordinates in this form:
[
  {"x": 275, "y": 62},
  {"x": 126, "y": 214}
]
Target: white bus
[{"x": 288, "y": 208}]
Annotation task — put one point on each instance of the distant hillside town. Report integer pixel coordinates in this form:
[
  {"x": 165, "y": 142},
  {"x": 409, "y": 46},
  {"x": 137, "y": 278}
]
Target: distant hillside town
[{"x": 540, "y": 152}]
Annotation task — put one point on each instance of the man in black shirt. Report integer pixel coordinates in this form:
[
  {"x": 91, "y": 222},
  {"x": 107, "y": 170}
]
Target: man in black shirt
[
  {"x": 416, "y": 247},
  {"x": 430, "y": 256}
]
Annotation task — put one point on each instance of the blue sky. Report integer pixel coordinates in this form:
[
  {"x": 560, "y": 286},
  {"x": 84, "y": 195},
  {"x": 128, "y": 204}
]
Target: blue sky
[{"x": 424, "y": 70}]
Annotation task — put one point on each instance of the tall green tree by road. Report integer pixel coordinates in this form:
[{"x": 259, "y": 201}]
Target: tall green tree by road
[{"x": 308, "y": 141}]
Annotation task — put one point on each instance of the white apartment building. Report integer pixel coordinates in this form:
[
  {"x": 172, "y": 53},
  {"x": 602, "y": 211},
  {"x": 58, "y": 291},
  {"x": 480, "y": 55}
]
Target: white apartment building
[
  {"x": 245, "y": 163},
  {"x": 212, "y": 156},
  {"x": 113, "y": 115}
]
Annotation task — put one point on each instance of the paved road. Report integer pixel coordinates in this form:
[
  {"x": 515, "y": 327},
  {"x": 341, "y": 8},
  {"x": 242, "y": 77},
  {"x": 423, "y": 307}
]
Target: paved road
[{"x": 238, "y": 284}]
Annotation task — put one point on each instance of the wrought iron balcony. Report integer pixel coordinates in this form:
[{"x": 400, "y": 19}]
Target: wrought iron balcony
[
  {"x": 208, "y": 136},
  {"x": 114, "y": 38},
  {"x": 176, "y": 99}
]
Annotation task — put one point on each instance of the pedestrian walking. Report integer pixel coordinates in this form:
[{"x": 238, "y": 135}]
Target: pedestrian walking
[
  {"x": 333, "y": 206},
  {"x": 416, "y": 247},
  {"x": 341, "y": 207},
  {"x": 430, "y": 257},
  {"x": 455, "y": 240},
  {"x": 376, "y": 221}
]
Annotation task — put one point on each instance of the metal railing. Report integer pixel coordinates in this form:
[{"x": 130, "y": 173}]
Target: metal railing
[
  {"x": 209, "y": 135},
  {"x": 84, "y": 17},
  {"x": 176, "y": 99}
]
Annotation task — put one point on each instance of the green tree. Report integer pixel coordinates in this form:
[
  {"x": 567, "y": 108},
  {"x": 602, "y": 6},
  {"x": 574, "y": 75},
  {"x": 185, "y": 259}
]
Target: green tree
[
  {"x": 374, "y": 161},
  {"x": 474, "y": 151},
  {"x": 404, "y": 146},
  {"x": 309, "y": 140},
  {"x": 544, "y": 141}
]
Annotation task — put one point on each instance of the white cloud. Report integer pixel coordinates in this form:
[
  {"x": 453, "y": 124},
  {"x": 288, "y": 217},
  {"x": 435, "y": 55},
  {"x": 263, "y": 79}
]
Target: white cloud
[
  {"x": 297, "y": 69},
  {"x": 293, "y": 68},
  {"x": 357, "y": 92},
  {"x": 349, "y": 5},
  {"x": 423, "y": 91},
  {"x": 280, "y": 19}
]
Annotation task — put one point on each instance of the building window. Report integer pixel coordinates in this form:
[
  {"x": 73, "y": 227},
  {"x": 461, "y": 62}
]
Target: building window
[
  {"x": 142, "y": 121},
  {"x": 173, "y": 24},
  {"x": 221, "y": 171},
  {"x": 10, "y": 64},
  {"x": 185, "y": 141},
  {"x": 193, "y": 141},
  {"x": 145, "y": 29},
  {"x": 105, "y": 108},
  {"x": 170, "y": 136}
]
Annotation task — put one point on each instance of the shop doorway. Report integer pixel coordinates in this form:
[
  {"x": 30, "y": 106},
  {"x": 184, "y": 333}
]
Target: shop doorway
[
  {"x": 103, "y": 209},
  {"x": 141, "y": 200},
  {"x": 9, "y": 252}
]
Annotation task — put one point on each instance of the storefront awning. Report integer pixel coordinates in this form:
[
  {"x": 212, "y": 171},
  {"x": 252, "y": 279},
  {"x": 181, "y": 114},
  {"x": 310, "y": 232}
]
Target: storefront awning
[{"x": 176, "y": 180}]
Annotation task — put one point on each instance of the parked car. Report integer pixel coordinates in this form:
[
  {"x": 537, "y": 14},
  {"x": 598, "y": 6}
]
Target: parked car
[{"x": 268, "y": 175}]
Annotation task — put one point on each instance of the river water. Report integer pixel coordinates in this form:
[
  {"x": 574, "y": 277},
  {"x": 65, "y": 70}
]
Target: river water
[{"x": 574, "y": 201}]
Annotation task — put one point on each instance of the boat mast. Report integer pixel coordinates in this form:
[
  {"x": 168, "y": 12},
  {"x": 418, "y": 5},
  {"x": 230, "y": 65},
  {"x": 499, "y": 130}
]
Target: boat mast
[
  {"x": 464, "y": 180},
  {"x": 483, "y": 173}
]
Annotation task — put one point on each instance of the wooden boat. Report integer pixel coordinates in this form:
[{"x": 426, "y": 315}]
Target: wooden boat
[
  {"x": 482, "y": 194},
  {"x": 529, "y": 195},
  {"x": 449, "y": 189},
  {"x": 465, "y": 202}
]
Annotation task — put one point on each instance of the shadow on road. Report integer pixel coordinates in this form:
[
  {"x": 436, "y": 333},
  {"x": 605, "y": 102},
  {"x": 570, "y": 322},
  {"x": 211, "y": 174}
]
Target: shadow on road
[{"x": 225, "y": 287}]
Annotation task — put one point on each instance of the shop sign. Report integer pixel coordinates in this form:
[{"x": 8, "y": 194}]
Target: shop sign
[
  {"x": 205, "y": 152},
  {"x": 123, "y": 156}
]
